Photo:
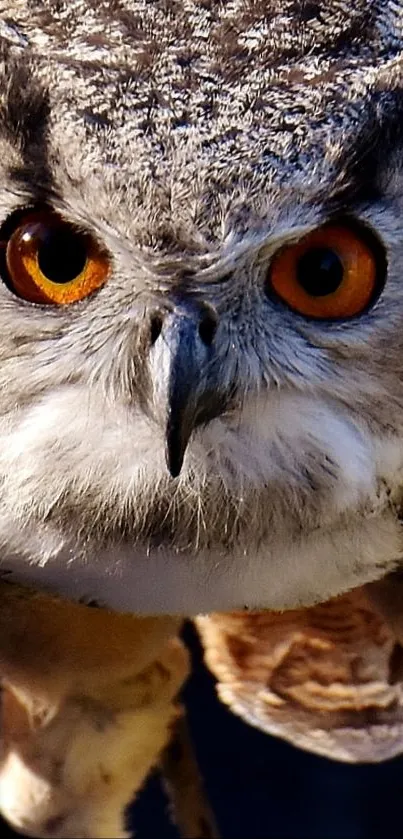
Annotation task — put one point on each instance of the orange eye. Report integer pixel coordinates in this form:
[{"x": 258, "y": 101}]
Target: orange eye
[
  {"x": 48, "y": 261},
  {"x": 331, "y": 273}
]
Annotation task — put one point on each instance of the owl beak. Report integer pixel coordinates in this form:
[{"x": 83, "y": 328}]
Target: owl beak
[{"x": 186, "y": 391}]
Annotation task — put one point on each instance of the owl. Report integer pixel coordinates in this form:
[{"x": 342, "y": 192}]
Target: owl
[
  {"x": 201, "y": 311},
  {"x": 200, "y": 369}
]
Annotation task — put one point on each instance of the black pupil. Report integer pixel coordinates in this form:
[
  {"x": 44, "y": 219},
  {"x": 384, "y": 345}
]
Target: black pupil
[
  {"x": 62, "y": 255},
  {"x": 320, "y": 271}
]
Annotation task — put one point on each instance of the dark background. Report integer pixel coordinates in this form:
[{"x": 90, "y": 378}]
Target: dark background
[{"x": 262, "y": 788}]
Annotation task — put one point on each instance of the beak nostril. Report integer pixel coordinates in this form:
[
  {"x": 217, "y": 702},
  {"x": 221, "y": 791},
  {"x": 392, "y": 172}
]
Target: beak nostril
[
  {"x": 208, "y": 328},
  {"x": 155, "y": 327}
]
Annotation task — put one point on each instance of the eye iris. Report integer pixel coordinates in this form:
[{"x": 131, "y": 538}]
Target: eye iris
[
  {"x": 62, "y": 255},
  {"x": 320, "y": 272},
  {"x": 44, "y": 259},
  {"x": 334, "y": 272}
]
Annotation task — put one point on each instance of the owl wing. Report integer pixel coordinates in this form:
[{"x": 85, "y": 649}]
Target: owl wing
[{"x": 327, "y": 679}]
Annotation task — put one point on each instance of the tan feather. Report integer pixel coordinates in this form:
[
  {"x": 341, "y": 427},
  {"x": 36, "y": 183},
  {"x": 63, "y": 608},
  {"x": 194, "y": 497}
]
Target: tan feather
[
  {"x": 88, "y": 706},
  {"x": 323, "y": 678}
]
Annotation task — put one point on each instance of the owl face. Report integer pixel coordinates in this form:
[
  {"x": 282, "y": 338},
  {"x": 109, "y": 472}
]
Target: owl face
[{"x": 215, "y": 420}]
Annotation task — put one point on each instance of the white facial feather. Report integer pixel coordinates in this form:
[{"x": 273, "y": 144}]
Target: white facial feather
[{"x": 300, "y": 545}]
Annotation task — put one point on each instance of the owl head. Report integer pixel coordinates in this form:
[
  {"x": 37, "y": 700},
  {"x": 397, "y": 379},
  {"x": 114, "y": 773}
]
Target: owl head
[{"x": 201, "y": 300}]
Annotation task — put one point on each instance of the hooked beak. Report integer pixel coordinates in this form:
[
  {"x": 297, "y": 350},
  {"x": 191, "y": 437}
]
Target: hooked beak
[{"x": 184, "y": 374}]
